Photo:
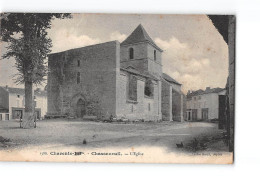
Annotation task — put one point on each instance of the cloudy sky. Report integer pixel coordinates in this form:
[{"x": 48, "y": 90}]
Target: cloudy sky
[{"x": 195, "y": 54}]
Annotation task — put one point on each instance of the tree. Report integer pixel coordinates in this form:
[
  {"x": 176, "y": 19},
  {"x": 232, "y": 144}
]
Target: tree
[{"x": 28, "y": 43}]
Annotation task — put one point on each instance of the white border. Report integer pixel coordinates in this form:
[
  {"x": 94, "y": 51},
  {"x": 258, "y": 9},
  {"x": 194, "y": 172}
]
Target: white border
[{"x": 247, "y": 145}]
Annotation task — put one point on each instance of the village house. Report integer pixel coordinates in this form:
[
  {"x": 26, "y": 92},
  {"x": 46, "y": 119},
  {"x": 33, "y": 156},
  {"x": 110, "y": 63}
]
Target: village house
[
  {"x": 12, "y": 101},
  {"x": 112, "y": 79},
  {"x": 206, "y": 105}
]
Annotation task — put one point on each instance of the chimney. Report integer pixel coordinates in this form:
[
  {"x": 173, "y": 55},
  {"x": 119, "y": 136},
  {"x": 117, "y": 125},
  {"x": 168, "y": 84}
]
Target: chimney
[
  {"x": 207, "y": 88},
  {"x": 6, "y": 87},
  {"x": 188, "y": 92}
]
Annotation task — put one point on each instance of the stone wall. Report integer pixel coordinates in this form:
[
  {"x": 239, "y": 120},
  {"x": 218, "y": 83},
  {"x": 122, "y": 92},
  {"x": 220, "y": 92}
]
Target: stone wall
[
  {"x": 55, "y": 79},
  {"x": 231, "y": 80},
  {"x": 166, "y": 101},
  {"x": 99, "y": 66},
  {"x": 177, "y": 109},
  {"x": 140, "y": 51},
  {"x": 144, "y": 108},
  {"x": 139, "y": 64},
  {"x": 143, "y": 59},
  {"x": 154, "y": 66},
  {"x": 102, "y": 85}
]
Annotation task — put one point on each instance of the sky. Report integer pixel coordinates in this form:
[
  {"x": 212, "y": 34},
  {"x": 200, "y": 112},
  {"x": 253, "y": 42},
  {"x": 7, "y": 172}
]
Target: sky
[{"x": 195, "y": 54}]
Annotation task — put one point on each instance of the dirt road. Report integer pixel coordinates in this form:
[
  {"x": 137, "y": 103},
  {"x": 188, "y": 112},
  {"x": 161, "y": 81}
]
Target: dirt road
[{"x": 100, "y": 134}]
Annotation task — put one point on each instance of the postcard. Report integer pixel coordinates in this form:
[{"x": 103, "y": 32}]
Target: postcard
[{"x": 125, "y": 88}]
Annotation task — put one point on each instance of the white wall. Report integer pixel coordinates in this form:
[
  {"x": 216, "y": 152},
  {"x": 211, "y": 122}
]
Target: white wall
[
  {"x": 41, "y": 103},
  {"x": 139, "y": 109},
  {"x": 209, "y": 101},
  {"x": 16, "y": 102}
]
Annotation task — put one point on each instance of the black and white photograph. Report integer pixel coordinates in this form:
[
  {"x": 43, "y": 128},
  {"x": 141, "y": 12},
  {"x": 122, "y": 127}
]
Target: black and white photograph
[{"x": 124, "y": 88}]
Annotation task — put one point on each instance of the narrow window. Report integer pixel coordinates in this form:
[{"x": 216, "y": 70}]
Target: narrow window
[
  {"x": 78, "y": 63},
  {"x": 132, "y": 88},
  {"x": 149, "y": 107},
  {"x": 78, "y": 77},
  {"x": 131, "y": 53},
  {"x": 154, "y": 55}
]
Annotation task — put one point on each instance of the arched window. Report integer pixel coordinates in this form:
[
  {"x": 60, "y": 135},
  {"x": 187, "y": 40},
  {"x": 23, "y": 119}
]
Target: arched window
[
  {"x": 132, "y": 88},
  {"x": 131, "y": 53},
  {"x": 154, "y": 55},
  {"x": 78, "y": 63},
  {"x": 78, "y": 77},
  {"x": 149, "y": 88}
]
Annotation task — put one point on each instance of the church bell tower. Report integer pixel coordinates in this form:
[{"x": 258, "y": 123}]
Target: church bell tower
[{"x": 140, "y": 52}]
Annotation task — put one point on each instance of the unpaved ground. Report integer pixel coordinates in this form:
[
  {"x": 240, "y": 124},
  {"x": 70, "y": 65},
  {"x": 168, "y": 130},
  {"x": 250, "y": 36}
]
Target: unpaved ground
[{"x": 100, "y": 134}]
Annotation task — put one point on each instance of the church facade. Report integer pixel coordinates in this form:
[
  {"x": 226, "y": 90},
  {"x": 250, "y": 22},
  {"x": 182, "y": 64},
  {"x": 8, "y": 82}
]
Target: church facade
[{"x": 112, "y": 79}]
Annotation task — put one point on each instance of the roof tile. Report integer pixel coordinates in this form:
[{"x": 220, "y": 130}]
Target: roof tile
[
  {"x": 139, "y": 35},
  {"x": 201, "y": 92},
  {"x": 170, "y": 79}
]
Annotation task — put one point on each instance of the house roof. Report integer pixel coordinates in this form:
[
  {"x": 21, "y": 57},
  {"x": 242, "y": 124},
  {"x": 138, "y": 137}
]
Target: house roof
[
  {"x": 15, "y": 90},
  {"x": 21, "y": 91},
  {"x": 139, "y": 35},
  {"x": 207, "y": 91},
  {"x": 170, "y": 79}
]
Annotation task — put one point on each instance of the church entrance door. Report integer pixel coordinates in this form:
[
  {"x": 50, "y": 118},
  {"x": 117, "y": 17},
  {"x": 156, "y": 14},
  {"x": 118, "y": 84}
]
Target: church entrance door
[{"x": 81, "y": 110}]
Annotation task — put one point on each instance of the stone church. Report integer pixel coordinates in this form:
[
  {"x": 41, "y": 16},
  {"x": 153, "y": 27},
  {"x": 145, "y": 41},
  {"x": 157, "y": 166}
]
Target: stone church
[{"x": 112, "y": 79}]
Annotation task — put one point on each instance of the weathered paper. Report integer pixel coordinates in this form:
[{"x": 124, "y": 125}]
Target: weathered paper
[{"x": 121, "y": 88}]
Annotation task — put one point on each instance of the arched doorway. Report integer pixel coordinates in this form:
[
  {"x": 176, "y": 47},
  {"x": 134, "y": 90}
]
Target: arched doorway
[{"x": 80, "y": 109}]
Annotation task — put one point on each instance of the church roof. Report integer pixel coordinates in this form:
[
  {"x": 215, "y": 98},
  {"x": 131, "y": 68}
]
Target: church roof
[
  {"x": 139, "y": 35},
  {"x": 170, "y": 79},
  {"x": 132, "y": 70}
]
